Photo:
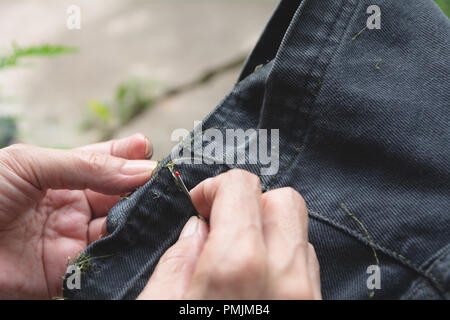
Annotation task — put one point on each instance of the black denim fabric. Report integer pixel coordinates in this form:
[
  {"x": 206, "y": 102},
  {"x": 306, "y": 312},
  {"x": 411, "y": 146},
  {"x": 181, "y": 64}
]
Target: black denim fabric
[{"x": 364, "y": 137}]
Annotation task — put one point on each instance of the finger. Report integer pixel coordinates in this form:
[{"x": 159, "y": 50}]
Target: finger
[
  {"x": 233, "y": 258},
  {"x": 314, "y": 272},
  {"x": 135, "y": 147},
  {"x": 285, "y": 225},
  {"x": 100, "y": 203},
  {"x": 77, "y": 169},
  {"x": 96, "y": 229},
  {"x": 173, "y": 273},
  {"x": 231, "y": 201}
]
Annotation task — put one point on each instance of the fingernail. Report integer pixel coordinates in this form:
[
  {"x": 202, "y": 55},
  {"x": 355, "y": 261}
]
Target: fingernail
[
  {"x": 190, "y": 228},
  {"x": 135, "y": 167},
  {"x": 148, "y": 148}
]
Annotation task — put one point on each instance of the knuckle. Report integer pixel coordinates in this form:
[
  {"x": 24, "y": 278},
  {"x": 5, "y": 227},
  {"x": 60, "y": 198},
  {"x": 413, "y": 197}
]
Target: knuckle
[
  {"x": 96, "y": 161},
  {"x": 292, "y": 195},
  {"x": 246, "y": 267},
  {"x": 251, "y": 256},
  {"x": 287, "y": 197},
  {"x": 253, "y": 263},
  {"x": 244, "y": 176},
  {"x": 113, "y": 146},
  {"x": 241, "y": 268}
]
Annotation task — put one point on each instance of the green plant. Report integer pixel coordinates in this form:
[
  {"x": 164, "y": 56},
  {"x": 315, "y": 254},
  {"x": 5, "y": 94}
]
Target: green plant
[
  {"x": 12, "y": 59},
  {"x": 8, "y": 124},
  {"x": 131, "y": 98},
  {"x": 444, "y": 5}
]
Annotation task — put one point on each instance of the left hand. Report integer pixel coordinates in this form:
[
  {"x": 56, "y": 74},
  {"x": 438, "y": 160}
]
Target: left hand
[{"x": 53, "y": 203}]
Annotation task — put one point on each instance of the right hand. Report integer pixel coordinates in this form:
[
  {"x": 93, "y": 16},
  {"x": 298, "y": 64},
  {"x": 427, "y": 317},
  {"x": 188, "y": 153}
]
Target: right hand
[{"x": 256, "y": 246}]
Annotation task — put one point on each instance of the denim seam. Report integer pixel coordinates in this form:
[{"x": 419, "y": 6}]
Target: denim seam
[
  {"x": 315, "y": 95},
  {"x": 361, "y": 237},
  {"x": 309, "y": 80},
  {"x": 422, "y": 284},
  {"x": 441, "y": 273},
  {"x": 418, "y": 289},
  {"x": 289, "y": 162},
  {"x": 437, "y": 256},
  {"x": 438, "y": 261}
]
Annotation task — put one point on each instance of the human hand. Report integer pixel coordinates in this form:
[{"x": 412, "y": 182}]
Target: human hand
[
  {"x": 256, "y": 246},
  {"x": 53, "y": 203}
]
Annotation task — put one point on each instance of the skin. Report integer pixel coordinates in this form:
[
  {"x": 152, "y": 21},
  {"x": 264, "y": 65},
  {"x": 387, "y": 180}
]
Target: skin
[
  {"x": 53, "y": 203},
  {"x": 255, "y": 247}
]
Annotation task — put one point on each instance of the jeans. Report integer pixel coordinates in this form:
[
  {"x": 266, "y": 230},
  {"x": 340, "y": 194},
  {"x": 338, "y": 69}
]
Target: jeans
[{"x": 364, "y": 136}]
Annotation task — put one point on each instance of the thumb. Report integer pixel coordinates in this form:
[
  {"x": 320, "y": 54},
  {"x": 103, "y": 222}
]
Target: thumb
[
  {"x": 172, "y": 275},
  {"x": 76, "y": 169}
]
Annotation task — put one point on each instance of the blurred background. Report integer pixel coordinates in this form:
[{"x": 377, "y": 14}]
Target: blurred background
[{"x": 147, "y": 66}]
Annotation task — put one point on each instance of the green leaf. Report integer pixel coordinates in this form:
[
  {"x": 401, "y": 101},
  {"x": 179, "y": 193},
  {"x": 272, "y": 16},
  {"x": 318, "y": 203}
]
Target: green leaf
[
  {"x": 444, "y": 5},
  {"x": 11, "y": 60},
  {"x": 100, "y": 110}
]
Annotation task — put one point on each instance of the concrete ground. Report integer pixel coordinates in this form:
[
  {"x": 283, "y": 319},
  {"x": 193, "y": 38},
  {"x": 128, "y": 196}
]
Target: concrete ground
[{"x": 172, "y": 42}]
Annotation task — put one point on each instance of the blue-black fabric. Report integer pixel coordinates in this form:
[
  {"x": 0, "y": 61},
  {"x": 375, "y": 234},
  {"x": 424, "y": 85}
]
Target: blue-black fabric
[{"x": 364, "y": 120}]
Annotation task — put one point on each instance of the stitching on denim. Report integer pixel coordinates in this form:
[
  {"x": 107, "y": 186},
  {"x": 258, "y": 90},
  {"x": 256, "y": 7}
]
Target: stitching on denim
[
  {"x": 314, "y": 64},
  {"x": 286, "y": 166},
  {"x": 392, "y": 252},
  {"x": 418, "y": 289},
  {"x": 187, "y": 143},
  {"x": 386, "y": 250},
  {"x": 422, "y": 285},
  {"x": 308, "y": 80},
  {"x": 314, "y": 94},
  {"x": 440, "y": 254},
  {"x": 442, "y": 273},
  {"x": 195, "y": 135},
  {"x": 369, "y": 238},
  {"x": 275, "y": 177}
]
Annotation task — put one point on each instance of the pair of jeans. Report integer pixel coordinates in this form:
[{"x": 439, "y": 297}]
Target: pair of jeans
[{"x": 364, "y": 137}]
